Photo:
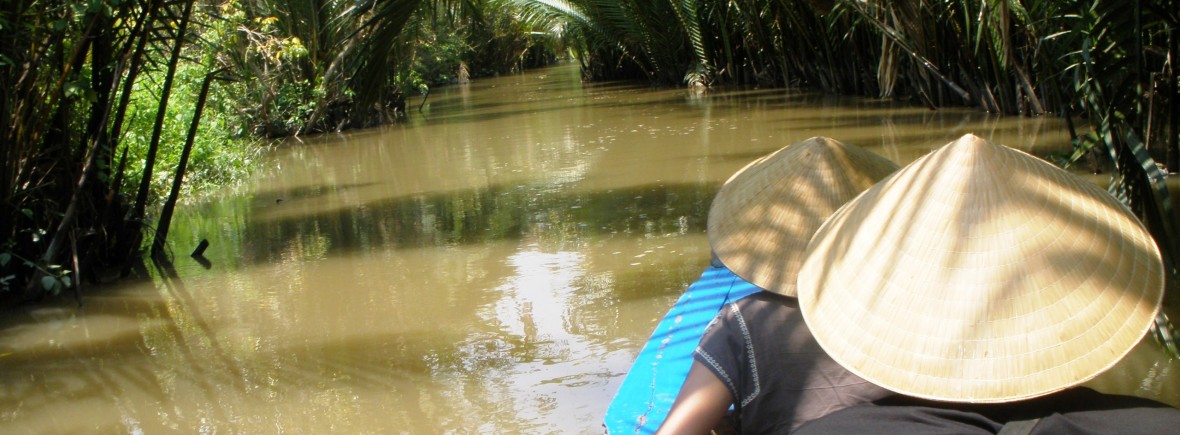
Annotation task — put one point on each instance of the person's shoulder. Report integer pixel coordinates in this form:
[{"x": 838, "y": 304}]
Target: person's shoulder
[
  {"x": 767, "y": 300},
  {"x": 759, "y": 310},
  {"x": 768, "y": 307}
]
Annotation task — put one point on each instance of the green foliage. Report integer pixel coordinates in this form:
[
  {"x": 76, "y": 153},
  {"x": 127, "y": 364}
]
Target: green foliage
[
  {"x": 1165, "y": 335},
  {"x": 7, "y": 279},
  {"x": 222, "y": 151},
  {"x": 54, "y": 278},
  {"x": 319, "y": 66},
  {"x": 507, "y": 41},
  {"x": 437, "y": 60},
  {"x": 618, "y": 39},
  {"x": 274, "y": 57}
]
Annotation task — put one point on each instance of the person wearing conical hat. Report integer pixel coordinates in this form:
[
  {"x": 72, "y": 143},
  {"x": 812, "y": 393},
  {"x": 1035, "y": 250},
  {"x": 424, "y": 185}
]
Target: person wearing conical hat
[
  {"x": 984, "y": 285},
  {"x": 757, "y": 353}
]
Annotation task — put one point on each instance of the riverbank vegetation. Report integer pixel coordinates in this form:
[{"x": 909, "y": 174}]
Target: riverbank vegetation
[
  {"x": 108, "y": 104},
  {"x": 111, "y": 108}
]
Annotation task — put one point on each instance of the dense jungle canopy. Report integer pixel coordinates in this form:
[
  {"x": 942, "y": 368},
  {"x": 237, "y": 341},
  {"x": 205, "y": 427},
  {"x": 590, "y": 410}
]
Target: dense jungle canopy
[{"x": 108, "y": 105}]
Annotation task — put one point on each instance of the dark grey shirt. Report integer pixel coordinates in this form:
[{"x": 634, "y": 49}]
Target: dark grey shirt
[
  {"x": 1076, "y": 411},
  {"x": 780, "y": 378}
]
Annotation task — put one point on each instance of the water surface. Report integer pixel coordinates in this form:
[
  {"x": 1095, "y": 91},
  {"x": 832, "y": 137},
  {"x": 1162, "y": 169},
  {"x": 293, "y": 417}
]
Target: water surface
[{"x": 492, "y": 265}]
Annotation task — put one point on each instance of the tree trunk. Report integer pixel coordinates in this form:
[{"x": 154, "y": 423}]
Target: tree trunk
[
  {"x": 141, "y": 34},
  {"x": 137, "y": 213},
  {"x": 170, "y": 203},
  {"x": 1173, "y": 157}
]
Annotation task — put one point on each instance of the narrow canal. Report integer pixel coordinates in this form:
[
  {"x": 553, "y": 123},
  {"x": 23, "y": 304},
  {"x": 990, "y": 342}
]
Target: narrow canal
[{"x": 491, "y": 265}]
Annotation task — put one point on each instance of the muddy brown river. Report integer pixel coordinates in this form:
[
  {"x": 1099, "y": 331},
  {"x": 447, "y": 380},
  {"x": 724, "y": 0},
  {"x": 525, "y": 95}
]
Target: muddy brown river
[{"x": 491, "y": 265}]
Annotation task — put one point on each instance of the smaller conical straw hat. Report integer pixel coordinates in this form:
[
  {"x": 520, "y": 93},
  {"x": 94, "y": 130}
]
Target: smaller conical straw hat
[
  {"x": 761, "y": 219},
  {"x": 979, "y": 273}
]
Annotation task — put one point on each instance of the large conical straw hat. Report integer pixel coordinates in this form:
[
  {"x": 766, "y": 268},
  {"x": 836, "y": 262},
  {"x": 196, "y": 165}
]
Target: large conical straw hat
[
  {"x": 761, "y": 219},
  {"x": 979, "y": 273}
]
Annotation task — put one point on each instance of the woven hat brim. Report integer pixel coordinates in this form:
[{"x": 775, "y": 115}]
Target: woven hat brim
[
  {"x": 763, "y": 216},
  {"x": 979, "y": 273}
]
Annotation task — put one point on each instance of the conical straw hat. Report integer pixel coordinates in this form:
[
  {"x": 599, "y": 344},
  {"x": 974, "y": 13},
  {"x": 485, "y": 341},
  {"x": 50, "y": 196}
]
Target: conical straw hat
[
  {"x": 762, "y": 218},
  {"x": 979, "y": 273}
]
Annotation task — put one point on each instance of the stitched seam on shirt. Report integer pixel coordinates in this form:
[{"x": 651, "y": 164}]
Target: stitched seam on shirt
[
  {"x": 717, "y": 368},
  {"x": 749, "y": 352}
]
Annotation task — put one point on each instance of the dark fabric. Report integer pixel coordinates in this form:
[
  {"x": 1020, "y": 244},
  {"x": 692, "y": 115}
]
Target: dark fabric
[
  {"x": 1074, "y": 411},
  {"x": 780, "y": 378},
  {"x": 1019, "y": 427}
]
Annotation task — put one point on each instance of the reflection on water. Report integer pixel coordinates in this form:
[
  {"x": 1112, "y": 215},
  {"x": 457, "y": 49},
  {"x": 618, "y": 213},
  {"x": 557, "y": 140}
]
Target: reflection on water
[{"x": 493, "y": 264}]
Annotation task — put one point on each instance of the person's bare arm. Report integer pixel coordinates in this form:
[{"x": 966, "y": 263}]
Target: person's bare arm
[{"x": 702, "y": 401}]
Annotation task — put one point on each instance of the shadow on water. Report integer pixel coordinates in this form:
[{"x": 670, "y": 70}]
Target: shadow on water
[
  {"x": 529, "y": 93},
  {"x": 485, "y": 112},
  {"x": 318, "y": 191},
  {"x": 161, "y": 350},
  {"x": 498, "y": 212}
]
